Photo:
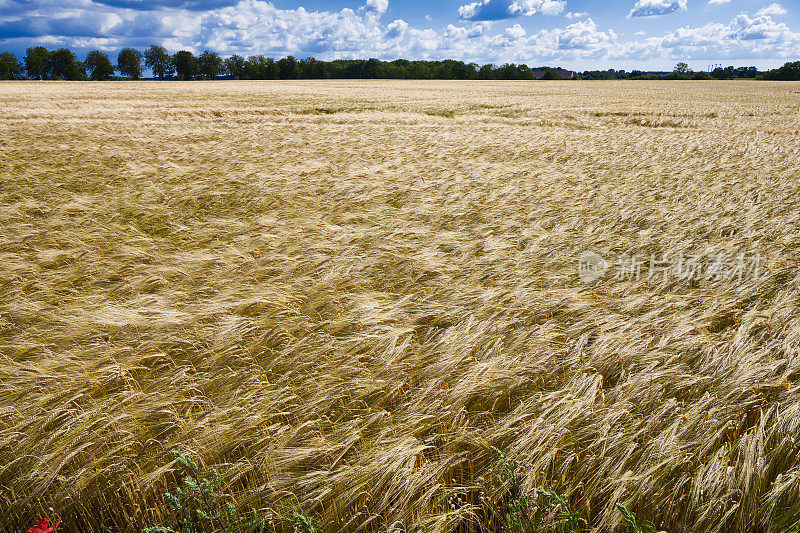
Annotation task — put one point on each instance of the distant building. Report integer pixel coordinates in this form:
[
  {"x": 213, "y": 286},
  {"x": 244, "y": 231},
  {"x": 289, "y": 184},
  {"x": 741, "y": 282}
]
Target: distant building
[{"x": 560, "y": 72}]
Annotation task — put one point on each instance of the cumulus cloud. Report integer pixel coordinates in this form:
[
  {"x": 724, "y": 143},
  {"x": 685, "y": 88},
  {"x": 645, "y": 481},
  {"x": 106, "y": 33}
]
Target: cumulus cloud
[
  {"x": 719, "y": 1},
  {"x": 504, "y": 9},
  {"x": 259, "y": 27},
  {"x": 578, "y": 15},
  {"x": 455, "y": 33},
  {"x": 743, "y": 37},
  {"x": 516, "y": 31},
  {"x": 774, "y": 10},
  {"x": 655, "y": 8},
  {"x": 378, "y": 6},
  {"x": 396, "y": 29},
  {"x": 585, "y": 36}
]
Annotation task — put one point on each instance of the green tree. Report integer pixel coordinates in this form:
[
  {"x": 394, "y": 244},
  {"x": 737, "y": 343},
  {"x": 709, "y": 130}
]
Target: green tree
[
  {"x": 745, "y": 72},
  {"x": 419, "y": 70},
  {"x": 720, "y": 73},
  {"x": 157, "y": 59},
  {"x": 210, "y": 64},
  {"x": 235, "y": 66},
  {"x": 255, "y": 68},
  {"x": 507, "y": 72},
  {"x": 550, "y": 74},
  {"x": 373, "y": 69},
  {"x": 460, "y": 70},
  {"x": 10, "y": 69},
  {"x": 288, "y": 68},
  {"x": 64, "y": 65},
  {"x": 392, "y": 72},
  {"x": 313, "y": 69},
  {"x": 682, "y": 68},
  {"x": 129, "y": 63},
  {"x": 788, "y": 72},
  {"x": 37, "y": 63},
  {"x": 99, "y": 66},
  {"x": 260, "y": 68},
  {"x": 185, "y": 65},
  {"x": 486, "y": 72},
  {"x": 524, "y": 72}
]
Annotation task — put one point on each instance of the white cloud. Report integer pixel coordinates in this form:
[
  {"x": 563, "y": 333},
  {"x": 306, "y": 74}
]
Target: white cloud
[
  {"x": 379, "y": 6},
  {"x": 504, "y": 9},
  {"x": 456, "y": 33},
  {"x": 396, "y": 29},
  {"x": 719, "y": 1},
  {"x": 743, "y": 37},
  {"x": 516, "y": 31},
  {"x": 531, "y": 7},
  {"x": 584, "y": 36},
  {"x": 578, "y": 15},
  {"x": 774, "y": 10},
  {"x": 259, "y": 27},
  {"x": 655, "y": 8},
  {"x": 476, "y": 31}
]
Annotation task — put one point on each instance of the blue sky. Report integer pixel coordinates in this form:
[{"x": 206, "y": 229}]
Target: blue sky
[{"x": 578, "y": 34}]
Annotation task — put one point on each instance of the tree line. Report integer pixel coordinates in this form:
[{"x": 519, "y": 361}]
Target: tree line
[
  {"x": 40, "y": 63},
  {"x": 680, "y": 72},
  {"x": 62, "y": 64}
]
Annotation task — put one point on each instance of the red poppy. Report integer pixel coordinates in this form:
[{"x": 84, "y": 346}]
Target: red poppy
[{"x": 43, "y": 526}]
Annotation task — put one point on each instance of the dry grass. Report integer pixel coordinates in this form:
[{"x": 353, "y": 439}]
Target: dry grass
[{"x": 342, "y": 294}]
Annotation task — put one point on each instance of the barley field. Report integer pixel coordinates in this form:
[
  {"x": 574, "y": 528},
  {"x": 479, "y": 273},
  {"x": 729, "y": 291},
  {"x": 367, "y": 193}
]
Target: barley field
[{"x": 350, "y": 298}]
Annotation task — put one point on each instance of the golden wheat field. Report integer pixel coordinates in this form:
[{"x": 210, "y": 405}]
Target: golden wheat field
[{"x": 342, "y": 296}]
